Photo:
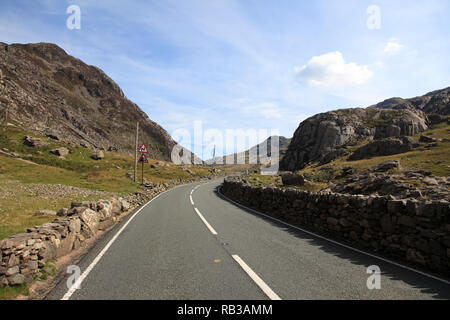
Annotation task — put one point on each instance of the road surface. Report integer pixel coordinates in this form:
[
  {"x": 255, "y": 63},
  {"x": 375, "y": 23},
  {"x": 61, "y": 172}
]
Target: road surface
[{"x": 191, "y": 243}]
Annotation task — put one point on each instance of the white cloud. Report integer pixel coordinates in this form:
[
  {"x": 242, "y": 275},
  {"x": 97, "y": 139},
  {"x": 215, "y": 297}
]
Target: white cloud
[
  {"x": 330, "y": 70},
  {"x": 393, "y": 47}
]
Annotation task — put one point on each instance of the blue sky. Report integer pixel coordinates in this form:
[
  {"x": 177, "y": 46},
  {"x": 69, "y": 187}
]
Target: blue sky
[{"x": 244, "y": 64}]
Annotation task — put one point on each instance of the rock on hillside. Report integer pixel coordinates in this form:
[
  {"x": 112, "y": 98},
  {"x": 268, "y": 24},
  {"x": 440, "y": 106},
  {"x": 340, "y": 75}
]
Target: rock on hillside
[
  {"x": 326, "y": 136},
  {"x": 388, "y": 178},
  {"x": 46, "y": 90},
  {"x": 384, "y": 147}
]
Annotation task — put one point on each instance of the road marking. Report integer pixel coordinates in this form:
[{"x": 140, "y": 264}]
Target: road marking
[
  {"x": 206, "y": 222},
  {"x": 337, "y": 243},
  {"x": 264, "y": 287},
  {"x": 86, "y": 272},
  {"x": 192, "y": 201}
]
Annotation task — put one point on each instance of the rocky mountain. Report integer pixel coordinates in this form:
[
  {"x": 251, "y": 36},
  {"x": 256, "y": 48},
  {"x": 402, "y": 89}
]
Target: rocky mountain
[
  {"x": 437, "y": 102},
  {"x": 326, "y": 136},
  {"x": 283, "y": 144},
  {"x": 44, "y": 89}
]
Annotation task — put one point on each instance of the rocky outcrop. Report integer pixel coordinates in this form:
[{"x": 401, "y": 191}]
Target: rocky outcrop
[
  {"x": 417, "y": 231},
  {"x": 326, "y": 136},
  {"x": 435, "y": 102},
  {"x": 388, "y": 178},
  {"x": 46, "y": 90},
  {"x": 384, "y": 147},
  {"x": 292, "y": 179}
]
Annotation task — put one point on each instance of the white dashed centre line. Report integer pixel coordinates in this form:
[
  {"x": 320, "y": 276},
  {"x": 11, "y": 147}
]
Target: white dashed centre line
[
  {"x": 205, "y": 222},
  {"x": 261, "y": 284}
]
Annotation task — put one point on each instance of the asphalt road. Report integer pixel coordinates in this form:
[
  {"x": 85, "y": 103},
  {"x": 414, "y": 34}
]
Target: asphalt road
[{"x": 191, "y": 243}]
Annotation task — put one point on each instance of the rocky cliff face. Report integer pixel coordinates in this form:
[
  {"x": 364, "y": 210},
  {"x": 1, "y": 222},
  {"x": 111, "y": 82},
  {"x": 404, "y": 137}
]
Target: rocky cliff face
[
  {"x": 326, "y": 136},
  {"x": 44, "y": 89}
]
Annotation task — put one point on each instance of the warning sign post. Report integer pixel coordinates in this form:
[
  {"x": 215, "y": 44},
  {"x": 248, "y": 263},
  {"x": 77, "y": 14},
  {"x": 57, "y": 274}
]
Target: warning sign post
[
  {"x": 143, "y": 159},
  {"x": 143, "y": 149}
]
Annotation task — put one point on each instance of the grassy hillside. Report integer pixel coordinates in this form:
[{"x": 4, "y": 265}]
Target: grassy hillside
[{"x": 37, "y": 179}]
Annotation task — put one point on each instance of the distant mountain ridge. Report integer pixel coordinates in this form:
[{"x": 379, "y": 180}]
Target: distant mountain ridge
[
  {"x": 46, "y": 90},
  {"x": 243, "y": 156}
]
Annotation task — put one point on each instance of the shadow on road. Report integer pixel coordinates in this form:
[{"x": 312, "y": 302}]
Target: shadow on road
[{"x": 436, "y": 288}]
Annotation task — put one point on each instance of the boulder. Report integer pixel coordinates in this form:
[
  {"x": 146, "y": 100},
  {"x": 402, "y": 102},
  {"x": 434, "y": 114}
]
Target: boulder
[
  {"x": 386, "y": 166},
  {"x": 12, "y": 271},
  {"x": 62, "y": 212},
  {"x": 98, "y": 155},
  {"x": 89, "y": 222},
  {"x": 13, "y": 261},
  {"x": 384, "y": 147},
  {"x": 346, "y": 171},
  {"x": 430, "y": 181},
  {"x": 33, "y": 142},
  {"x": 292, "y": 179},
  {"x": 16, "y": 279},
  {"x": 45, "y": 212},
  {"x": 104, "y": 209},
  {"x": 116, "y": 207},
  {"x": 426, "y": 139},
  {"x": 61, "y": 152},
  {"x": 52, "y": 136},
  {"x": 125, "y": 205}
]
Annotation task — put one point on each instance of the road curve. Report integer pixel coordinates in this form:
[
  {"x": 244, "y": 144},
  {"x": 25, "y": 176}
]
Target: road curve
[{"x": 191, "y": 243}]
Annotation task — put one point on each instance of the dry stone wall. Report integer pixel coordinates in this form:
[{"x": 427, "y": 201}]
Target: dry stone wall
[
  {"x": 23, "y": 255},
  {"x": 405, "y": 229}
]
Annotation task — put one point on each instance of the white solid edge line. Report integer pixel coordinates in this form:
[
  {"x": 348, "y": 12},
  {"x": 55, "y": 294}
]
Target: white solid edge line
[
  {"x": 260, "y": 282},
  {"x": 205, "y": 222},
  {"x": 340, "y": 244},
  {"x": 100, "y": 255},
  {"x": 192, "y": 201}
]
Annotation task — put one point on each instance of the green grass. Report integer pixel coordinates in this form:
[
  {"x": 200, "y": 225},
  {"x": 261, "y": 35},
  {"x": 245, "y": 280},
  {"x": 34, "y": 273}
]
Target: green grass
[
  {"x": 259, "y": 180},
  {"x": 17, "y": 211},
  {"x": 44, "y": 274},
  {"x": 9, "y": 293}
]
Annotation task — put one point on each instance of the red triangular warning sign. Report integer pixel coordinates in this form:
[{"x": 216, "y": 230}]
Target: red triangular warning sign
[
  {"x": 143, "y": 159},
  {"x": 143, "y": 149}
]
